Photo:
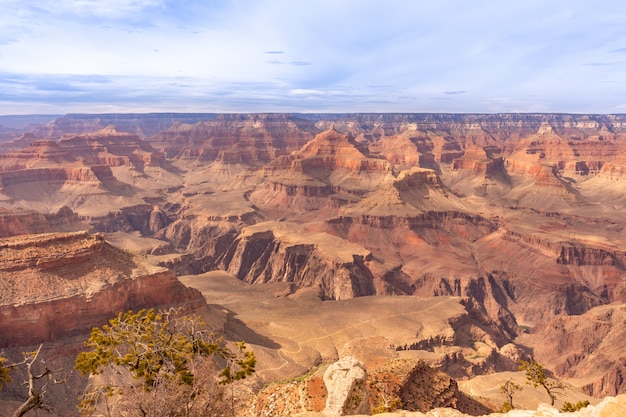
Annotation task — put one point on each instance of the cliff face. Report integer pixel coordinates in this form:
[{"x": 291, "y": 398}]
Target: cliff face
[
  {"x": 261, "y": 257},
  {"x": 60, "y": 176},
  {"x": 54, "y": 286},
  {"x": 21, "y": 222},
  {"x": 586, "y": 346}
]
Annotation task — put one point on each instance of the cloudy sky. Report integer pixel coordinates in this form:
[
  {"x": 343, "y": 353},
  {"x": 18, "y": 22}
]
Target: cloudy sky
[{"x": 59, "y": 56}]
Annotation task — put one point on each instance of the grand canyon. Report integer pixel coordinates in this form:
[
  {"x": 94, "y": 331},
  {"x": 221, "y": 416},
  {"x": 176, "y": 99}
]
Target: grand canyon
[{"x": 435, "y": 250}]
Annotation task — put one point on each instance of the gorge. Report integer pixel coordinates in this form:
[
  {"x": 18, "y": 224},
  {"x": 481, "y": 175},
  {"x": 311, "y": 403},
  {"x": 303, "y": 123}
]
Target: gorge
[{"x": 513, "y": 222}]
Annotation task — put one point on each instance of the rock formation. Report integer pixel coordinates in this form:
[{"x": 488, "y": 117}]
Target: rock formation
[
  {"x": 419, "y": 387},
  {"x": 236, "y": 139},
  {"x": 59, "y": 285},
  {"x": 346, "y": 385}
]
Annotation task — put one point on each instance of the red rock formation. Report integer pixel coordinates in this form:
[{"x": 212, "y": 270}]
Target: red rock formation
[
  {"x": 247, "y": 139},
  {"x": 55, "y": 286},
  {"x": 17, "y": 222},
  {"x": 587, "y": 346},
  {"x": 94, "y": 175},
  {"x": 262, "y": 257},
  {"x": 521, "y": 215},
  {"x": 478, "y": 163},
  {"x": 104, "y": 147}
]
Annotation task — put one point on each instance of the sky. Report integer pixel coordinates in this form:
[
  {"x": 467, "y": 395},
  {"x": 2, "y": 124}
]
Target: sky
[{"x": 454, "y": 56}]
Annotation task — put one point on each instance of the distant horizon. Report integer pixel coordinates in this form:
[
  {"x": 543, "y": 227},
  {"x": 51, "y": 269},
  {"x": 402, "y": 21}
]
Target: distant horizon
[
  {"x": 3, "y": 115},
  {"x": 21, "y": 121}
]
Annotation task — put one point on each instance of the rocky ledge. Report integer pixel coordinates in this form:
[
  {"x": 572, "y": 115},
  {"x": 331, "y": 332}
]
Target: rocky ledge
[{"x": 57, "y": 285}]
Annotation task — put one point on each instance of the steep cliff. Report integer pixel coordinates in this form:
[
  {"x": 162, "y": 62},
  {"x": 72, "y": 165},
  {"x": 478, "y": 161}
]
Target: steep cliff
[
  {"x": 586, "y": 348},
  {"x": 54, "y": 286}
]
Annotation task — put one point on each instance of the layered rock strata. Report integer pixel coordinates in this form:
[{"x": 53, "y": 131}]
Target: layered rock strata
[
  {"x": 520, "y": 215},
  {"x": 54, "y": 286}
]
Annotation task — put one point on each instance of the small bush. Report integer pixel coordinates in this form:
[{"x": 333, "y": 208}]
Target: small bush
[{"x": 567, "y": 406}]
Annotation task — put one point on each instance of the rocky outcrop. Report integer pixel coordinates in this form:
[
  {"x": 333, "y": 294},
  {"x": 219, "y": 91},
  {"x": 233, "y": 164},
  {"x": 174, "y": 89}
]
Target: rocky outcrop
[
  {"x": 614, "y": 172},
  {"x": 420, "y": 387},
  {"x": 583, "y": 255},
  {"x": 345, "y": 382},
  {"x": 49, "y": 250},
  {"x": 264, "y": 257},
  {"x": 55, "y": 286},
  {"x": 332, "y": 150},
  {"x": 478, "y": 163},
  {"x": 543, "y": 175}
]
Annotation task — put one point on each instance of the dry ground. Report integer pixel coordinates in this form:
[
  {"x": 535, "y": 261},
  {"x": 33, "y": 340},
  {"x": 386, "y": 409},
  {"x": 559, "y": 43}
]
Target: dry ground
[{"x": 293, "y": 334}]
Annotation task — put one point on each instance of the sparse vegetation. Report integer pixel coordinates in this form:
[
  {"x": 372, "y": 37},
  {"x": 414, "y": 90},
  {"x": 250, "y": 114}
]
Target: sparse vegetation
[
  {"x": 567, "y": 406},
  {"x": 5, "y": 371},
  {"x": 509, "y": 388},
  {"x": 386, "y": 400},
  {"x": 536, "y": 376},
  {"x": 386, "y": 403},
  {"x": 167, "y": 364},
  {"x": 300, "y": 378}
]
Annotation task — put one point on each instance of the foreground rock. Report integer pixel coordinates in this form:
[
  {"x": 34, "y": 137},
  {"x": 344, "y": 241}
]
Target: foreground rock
[
  {"x": 609, "y": 407},
  {"x": 346, "y": 385}
]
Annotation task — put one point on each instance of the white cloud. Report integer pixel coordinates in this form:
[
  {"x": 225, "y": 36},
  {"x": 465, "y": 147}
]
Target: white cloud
[
  {"x": 97, "y": 8},
  {"x": 303, "y": 91}
]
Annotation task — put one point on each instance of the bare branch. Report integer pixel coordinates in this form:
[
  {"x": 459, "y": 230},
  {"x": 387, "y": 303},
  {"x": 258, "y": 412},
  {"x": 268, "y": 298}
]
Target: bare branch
[{"x": 36, "y": 394}]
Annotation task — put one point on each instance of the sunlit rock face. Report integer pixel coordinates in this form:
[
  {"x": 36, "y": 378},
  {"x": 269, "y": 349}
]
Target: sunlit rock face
[{"x": 58, "y": 285}]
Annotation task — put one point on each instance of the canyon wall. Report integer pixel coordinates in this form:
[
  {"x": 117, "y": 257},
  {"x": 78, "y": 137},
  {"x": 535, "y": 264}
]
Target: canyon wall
[{"x": 59, "y": 285}]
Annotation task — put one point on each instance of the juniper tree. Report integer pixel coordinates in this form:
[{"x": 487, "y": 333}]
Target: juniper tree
[
  {"x": 163, "y": 356},
  {"x": 536, "y": 376},
  {"x": 509, "y": 388}
]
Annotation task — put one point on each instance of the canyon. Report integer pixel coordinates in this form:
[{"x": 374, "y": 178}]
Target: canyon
[{"x": 301, "y": 225}]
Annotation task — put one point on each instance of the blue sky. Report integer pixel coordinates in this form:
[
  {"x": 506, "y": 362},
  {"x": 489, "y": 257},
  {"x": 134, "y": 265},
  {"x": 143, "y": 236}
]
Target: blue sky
[{"x": 59, "y": 56}]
